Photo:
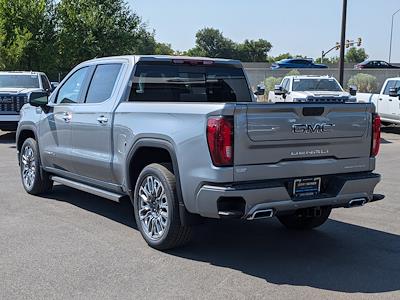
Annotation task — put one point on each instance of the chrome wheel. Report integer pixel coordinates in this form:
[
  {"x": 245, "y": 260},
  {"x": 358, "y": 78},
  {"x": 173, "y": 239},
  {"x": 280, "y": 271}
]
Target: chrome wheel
[
  {"x": 28, "y": 166},
  {"x": 153, "y": 207}
]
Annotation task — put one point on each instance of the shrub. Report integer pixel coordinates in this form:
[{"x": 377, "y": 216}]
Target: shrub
[
  {"x": 293, "y": 72},
  {"x": 270, "y": 83},
  {"x": 365, "y": 83}
]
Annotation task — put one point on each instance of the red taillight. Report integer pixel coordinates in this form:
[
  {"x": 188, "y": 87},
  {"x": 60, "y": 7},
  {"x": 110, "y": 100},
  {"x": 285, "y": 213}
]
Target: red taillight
[
  {"x": 376, "y": 134},
  {"x": 220, "y": 140}
]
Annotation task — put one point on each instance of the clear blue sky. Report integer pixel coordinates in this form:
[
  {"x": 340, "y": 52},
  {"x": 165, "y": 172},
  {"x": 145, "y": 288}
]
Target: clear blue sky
[{"x": 297, "y": 26}]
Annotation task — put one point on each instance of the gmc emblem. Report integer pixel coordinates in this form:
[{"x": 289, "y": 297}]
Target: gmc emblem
[
  {"x": 312, "y": 128},
  {"x": 5, "y": 100}
]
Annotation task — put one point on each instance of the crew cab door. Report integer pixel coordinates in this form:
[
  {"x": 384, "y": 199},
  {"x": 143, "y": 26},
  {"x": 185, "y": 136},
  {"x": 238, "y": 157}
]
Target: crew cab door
[
  {"x": 55, "y": 128},
  {"x": 394, "y": 104},
  {"x": 92, "y": 124},
  {"x": 388, "y": 107}
]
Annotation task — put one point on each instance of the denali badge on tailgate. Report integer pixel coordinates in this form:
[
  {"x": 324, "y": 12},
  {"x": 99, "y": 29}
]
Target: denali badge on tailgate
[{"x": 312, "y": 128}]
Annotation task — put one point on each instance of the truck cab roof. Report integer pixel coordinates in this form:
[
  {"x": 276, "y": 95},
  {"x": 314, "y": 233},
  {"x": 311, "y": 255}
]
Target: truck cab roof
[
  {"x": 136, "y": 58},
  {"x": 21, "y": 73},
  {"x": 309, "y": 77}
]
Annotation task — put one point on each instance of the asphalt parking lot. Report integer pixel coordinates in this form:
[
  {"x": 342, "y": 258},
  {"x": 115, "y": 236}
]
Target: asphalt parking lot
[{"x": 72, "y": 245}]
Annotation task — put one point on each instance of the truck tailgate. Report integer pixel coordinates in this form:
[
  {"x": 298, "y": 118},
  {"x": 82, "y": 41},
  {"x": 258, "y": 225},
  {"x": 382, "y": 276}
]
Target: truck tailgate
[{"x": 289, "y": 139}]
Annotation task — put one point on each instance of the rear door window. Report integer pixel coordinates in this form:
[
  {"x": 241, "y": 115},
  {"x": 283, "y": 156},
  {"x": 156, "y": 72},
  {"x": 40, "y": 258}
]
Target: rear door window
[
  {"x": 102, "y": 83},
  {"x": 173, "y": 82}
]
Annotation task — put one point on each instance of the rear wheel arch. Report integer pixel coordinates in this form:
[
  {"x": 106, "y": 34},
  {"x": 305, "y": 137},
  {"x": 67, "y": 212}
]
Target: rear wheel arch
[
  {"x": 168, "y": 151},
  {"x": 147, "y": 151}
]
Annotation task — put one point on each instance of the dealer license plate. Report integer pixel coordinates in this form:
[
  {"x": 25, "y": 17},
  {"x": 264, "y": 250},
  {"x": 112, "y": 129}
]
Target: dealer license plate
[{"x": 307, "y": 187}]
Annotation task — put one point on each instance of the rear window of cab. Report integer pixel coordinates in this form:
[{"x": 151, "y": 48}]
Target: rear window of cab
[{"x": 186, "y": 82}]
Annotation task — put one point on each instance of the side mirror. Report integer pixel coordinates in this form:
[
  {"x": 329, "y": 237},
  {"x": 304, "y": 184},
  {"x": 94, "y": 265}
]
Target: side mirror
[
  {"x": 278, "y": 90},
  {"x": 260, "y": 90},
  {"x": 393, "y": 92},
  {"x": 38, "y": 99},
  {"x": 352, "y": 90}
]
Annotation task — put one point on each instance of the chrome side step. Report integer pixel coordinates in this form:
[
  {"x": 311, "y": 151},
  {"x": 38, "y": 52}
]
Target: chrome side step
[{"x": 87, "y": 188}]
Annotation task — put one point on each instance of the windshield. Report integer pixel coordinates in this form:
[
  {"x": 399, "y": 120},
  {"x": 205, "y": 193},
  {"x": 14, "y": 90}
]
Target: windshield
[
  {"x": 167, "y": 82},
  {"x": 316, "y": 85},
  {"x": 19, "y": 81}
]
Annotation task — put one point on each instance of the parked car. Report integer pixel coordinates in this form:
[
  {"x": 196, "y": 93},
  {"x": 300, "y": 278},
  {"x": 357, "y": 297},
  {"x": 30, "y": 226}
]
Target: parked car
[
  {"x": 387, "y": 102},
  {"x": 15, "y": 88},
  {"x": 375, "y": 64},
  {"x": 306, "y": 88},
  {"x": 297, "y": 63},
  {"x": 184, "y": 139}
]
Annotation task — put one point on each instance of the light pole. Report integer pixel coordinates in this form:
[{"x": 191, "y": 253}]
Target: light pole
[
  {"x": 342, "y": 42},
  {"x": 391, "y": 34}
]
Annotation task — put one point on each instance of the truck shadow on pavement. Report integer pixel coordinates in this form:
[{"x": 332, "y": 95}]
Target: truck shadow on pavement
[
  {"x": 121, "y": 212},
  {"x": 391, "y": 129},
  {"x": 7, "y": 137},
  {"x": 338, "y": 256}
]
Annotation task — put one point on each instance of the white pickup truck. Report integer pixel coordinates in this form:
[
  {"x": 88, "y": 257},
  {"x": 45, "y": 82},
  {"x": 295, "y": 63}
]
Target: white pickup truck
[
  {"x": 15, "y": 88},
  {"x": 387, "y": 102},
  {"x": 305, "y": 88}
]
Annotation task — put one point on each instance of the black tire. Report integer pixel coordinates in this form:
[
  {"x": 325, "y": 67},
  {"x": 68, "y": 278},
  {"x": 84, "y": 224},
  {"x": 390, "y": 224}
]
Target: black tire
[
  {"x": 174, "y": 234},
  {"x": 300, "y": 220},
  {"x": 41, "y": 183}
]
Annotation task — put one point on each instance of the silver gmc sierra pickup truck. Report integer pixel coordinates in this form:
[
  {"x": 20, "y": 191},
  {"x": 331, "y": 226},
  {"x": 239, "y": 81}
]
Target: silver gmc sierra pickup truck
[{"x": 184, "y": 139}]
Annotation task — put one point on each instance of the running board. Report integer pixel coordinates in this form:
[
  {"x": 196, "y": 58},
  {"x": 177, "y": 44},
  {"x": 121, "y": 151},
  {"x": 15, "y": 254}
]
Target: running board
[{"x": 87, "y": 188}]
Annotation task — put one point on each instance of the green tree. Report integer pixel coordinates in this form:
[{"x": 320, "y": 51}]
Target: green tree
[
  {"x": 253, "y": 51},
  {"x": 27, "y": 34},
  {"x": 356, "y": 55},
  {"x": 163, "y": 49},
  {"x": 328, "y": 60},
  {"x": 96, "y": 28},
  {"x": 280, "y": 57},
  {"x": 284, "y": 56},
  {"x": 212, "y": 43}
]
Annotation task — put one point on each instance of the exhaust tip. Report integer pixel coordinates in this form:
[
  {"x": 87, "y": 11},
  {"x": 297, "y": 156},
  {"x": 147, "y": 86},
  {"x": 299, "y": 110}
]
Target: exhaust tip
[
  {"x": 262, "y": 214},
  {"x": 357, "y": 202}
]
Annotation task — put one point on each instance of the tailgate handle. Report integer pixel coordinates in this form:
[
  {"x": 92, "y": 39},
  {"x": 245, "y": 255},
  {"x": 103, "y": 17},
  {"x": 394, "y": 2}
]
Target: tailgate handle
[{"x": 313, "y": 111}]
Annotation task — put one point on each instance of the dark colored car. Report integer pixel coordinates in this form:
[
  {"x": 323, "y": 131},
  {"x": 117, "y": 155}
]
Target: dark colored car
[
  {"x": 297, "y": 63},
  {"x": 375, "y": 64}
]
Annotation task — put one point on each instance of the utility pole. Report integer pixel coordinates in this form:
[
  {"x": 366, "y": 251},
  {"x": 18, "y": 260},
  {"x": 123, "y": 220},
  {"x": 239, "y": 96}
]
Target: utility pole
[
  {"x": 391, "y": 35},
  {"x": 342, "y": 42}
]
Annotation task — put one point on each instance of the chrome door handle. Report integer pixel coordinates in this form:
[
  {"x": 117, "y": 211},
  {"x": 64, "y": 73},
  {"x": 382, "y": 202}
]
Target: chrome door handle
[
  {"x": 67, "y": 117},
  {"x": 102, "y": 120}
]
